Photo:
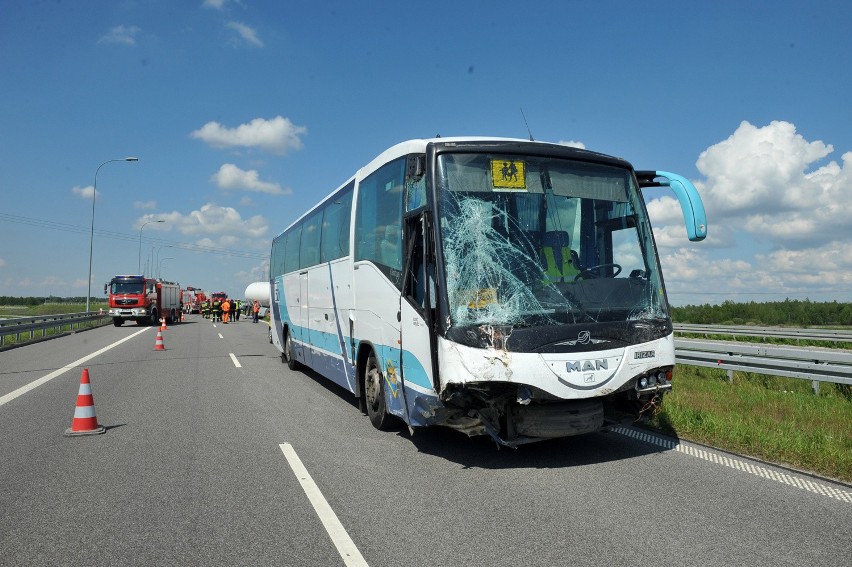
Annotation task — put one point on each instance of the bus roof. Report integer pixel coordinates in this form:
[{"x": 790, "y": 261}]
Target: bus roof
[{"x": 419, "y": 145}]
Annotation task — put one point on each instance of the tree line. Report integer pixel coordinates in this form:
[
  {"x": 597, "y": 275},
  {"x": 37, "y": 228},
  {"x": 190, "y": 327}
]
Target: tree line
[{"x": 790, "y": 312}]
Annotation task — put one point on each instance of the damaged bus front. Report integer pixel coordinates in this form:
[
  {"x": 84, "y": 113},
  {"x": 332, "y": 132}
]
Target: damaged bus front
[
  {"x": 500, "y": 287},
  {"x": 549, "y": 314}
]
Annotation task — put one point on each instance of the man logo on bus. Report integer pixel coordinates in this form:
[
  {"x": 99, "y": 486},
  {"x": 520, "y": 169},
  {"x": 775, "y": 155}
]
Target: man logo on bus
[{"x": 584, "y": 338}]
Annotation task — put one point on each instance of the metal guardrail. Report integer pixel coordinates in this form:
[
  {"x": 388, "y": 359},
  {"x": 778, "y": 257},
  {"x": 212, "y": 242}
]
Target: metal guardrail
[
  {"x": 808, "y": 363},
  {"x": 31, "y": 325},
  {"x": 811, "y": 363},
  {"x": 776, "y": 332}
]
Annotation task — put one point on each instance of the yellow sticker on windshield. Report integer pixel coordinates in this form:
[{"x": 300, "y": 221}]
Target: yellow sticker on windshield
[
  {"x": 508, "y": 175},
  {"x": 482, "y": 298}
]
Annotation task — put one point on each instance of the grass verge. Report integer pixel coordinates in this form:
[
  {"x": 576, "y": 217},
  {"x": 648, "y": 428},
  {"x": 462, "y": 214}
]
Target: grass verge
[{"x": 768, "y": 417}]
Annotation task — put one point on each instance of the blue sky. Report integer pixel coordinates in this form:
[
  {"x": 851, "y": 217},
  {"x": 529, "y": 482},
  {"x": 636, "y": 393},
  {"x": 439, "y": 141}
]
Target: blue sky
[{"x": 245, "y": 113}]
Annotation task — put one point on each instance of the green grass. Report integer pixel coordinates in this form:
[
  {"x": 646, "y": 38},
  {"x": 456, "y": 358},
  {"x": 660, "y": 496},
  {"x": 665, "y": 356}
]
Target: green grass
[
  {"x": 772, "y": 418},
  {"x": 49, "y": 309}
]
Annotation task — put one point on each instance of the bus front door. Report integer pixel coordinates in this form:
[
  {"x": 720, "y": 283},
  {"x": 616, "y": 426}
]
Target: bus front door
[{"x": 416, "y": 306}]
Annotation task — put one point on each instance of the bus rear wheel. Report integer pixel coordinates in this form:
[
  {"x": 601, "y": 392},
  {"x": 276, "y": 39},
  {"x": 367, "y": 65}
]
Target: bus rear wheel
[{"x": 374, "y": 393}]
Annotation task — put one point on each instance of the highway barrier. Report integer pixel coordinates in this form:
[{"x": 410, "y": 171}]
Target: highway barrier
[{"x": 39, "y": 326}]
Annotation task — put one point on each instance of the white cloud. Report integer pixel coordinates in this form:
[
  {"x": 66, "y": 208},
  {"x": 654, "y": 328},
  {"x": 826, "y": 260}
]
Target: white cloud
[
  {"x": 759, "y": 167},
  {"x": 2, "y": 263},
  {"x": 775, "y": 217},
  {"x": 255, "y": 274},
  {"x": 277, "y": 136},
  {"x": 214, "y": 4},
  {"x": 248, "y": 35},
  {"x": 123, "y": 35},
  {"x": 214, "y": 220},
  {"x": 758, "y": 180},
  {"x": 572, "y": 144},
  {"x": 231, "y": 177},
  {"x": 84, "y": 192},
  {"x": 145, "y": 205}
]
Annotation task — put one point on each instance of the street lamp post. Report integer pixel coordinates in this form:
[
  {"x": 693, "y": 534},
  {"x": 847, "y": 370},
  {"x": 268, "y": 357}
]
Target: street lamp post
[
  {"x": 157, "y": 260},
  {"x": 140, "y": 241},
  {"x": 160, "y": 267},
  {"x": 92, "y": 232}
]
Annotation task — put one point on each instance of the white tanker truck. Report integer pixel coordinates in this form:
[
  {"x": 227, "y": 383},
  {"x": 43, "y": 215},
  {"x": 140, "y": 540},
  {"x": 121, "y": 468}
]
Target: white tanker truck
[{"x": 262, "y": 292}]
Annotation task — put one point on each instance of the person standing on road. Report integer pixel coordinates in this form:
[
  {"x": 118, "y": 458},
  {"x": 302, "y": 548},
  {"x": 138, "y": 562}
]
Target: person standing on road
[
  {"x": 236, "y": 309},
  {"x": 255, "y": 310},
  {"x": 226, "y": 310}
]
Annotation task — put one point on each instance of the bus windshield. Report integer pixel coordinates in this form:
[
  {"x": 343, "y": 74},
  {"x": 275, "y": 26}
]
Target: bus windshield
[{"x": 539, "y": 241}]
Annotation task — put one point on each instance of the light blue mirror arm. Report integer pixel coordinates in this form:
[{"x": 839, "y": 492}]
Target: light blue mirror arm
[{"x": 694, "y": 216}]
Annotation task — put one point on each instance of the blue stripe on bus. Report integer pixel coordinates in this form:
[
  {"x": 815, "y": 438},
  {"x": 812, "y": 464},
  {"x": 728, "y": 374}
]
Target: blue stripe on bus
[{"x": 324, "y": 344}]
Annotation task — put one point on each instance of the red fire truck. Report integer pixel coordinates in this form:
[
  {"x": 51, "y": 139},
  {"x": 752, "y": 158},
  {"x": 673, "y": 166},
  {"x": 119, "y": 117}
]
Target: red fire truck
[
  {"x": 192, "y": 299},
  {"x": 144, "y": 300}
]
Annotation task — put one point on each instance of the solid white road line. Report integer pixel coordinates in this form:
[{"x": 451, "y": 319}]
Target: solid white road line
[
  {"x": 344, "y": 544},
  {"x": 36, "y": 383},
  {"x": 234, "y": 358}
]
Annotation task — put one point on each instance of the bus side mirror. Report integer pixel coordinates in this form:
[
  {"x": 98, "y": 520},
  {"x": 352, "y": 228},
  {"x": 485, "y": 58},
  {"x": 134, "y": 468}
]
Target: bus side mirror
[
  {"x": 105, "y": 288},
  {"x": 694, "y": 217}
]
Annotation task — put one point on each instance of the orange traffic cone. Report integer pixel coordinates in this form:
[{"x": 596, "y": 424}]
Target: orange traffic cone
[
  {"x": 163, "y": 324},
  {"x": 85, "y": 421},
  {"x": 158, "y": 344},
  {"x": 182, "y": 319}
]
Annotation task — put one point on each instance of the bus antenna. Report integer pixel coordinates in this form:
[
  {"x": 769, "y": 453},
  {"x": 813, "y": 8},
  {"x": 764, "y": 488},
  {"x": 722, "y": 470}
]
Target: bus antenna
[{"x": 527, "y": 125}]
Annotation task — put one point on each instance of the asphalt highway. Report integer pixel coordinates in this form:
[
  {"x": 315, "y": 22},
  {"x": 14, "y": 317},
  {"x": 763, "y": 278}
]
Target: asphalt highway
[{"x": 216, "y": 454}]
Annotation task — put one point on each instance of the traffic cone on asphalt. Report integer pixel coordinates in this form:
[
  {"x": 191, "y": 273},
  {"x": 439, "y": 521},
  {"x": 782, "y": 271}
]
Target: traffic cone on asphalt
[
  {"x": 163, "y": 324},
  {"x": 182, "y": 319},
  {"x": 85, "y": 421},
  {"x": 158, "y": 344}
]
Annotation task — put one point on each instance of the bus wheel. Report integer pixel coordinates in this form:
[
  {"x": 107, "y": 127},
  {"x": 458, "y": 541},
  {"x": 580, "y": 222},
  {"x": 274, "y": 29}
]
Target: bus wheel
[
  {"x": 374, "y": 391},
  {"x": 287, "y": 356}
]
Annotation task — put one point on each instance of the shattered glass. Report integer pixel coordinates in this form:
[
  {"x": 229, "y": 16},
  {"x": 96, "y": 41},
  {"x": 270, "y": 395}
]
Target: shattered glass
[
  {"x": 488, "y": 277},
  {"x": 532, "y": 241}
]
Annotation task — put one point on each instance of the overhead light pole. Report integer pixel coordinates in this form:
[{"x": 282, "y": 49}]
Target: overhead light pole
[
  {"x": 140, "y": 241},
  {"x": 160, "y": 267},
  {"x": 157, "y": 260},
  {"x": 92, "y": 232}
]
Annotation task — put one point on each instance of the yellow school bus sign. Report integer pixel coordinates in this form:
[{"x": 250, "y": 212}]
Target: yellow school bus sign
[{"x": 508, "y": 175}]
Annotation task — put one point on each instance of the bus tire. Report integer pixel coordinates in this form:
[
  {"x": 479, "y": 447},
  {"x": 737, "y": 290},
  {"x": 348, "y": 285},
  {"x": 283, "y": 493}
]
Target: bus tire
[
  {"x": 288, "y": 356},
  {"x": 374, "y": 395}
]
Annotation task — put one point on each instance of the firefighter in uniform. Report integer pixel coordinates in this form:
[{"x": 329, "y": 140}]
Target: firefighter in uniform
[
  {"x": 205, "y": 309},
  {"x": 216, "y": 310}
]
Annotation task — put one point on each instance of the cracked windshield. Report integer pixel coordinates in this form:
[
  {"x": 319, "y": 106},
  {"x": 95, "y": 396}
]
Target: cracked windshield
[{"x": 543, "y": 241}]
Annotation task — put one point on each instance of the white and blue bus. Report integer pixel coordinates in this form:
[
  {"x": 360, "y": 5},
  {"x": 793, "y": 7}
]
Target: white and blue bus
[{"x": 499, "y": 287}]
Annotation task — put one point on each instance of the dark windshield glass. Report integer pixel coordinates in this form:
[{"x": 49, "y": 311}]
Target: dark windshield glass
[
  {"x": 127, "y": 288},
  {"x": 533, "y": 241}
]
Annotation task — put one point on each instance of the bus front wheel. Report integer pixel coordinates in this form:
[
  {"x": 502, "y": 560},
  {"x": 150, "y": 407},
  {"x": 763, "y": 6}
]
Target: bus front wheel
[{"x": 374, "y": 392}]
